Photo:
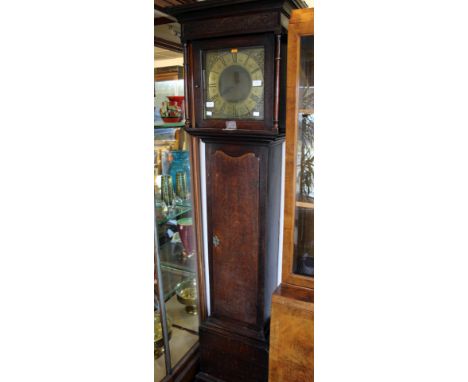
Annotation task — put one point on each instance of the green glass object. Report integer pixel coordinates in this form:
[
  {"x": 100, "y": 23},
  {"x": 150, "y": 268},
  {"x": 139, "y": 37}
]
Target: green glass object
[
  {"x": 167, "y": 190},
  {"x": 181, "y": 185}
]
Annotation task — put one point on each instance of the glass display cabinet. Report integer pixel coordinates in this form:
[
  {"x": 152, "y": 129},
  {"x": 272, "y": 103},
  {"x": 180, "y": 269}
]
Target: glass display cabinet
[
  {"x": 298, "y": 249},
  {"x": 292, "y": 317},
  {"x": 176, "y": 306}
]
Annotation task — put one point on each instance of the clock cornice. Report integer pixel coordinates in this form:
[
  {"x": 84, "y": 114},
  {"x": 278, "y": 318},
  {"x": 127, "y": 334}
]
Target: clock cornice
[{"x": 233, "y": 17}]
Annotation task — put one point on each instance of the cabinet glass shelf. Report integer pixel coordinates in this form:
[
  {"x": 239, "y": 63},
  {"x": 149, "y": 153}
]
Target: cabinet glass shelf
[
  {"x": 165, "y": 125},
  {"x": 171, "y": 214},
  {"x": 172, "y": 256},
  {"x": 172, "y": 278}
]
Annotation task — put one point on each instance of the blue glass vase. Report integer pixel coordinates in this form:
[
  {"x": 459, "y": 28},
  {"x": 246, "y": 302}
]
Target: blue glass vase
[{"x": 180, "y": 162}]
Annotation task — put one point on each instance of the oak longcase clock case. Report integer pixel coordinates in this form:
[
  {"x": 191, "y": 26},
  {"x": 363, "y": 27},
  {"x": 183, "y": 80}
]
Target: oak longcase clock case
[{"x": 235, "y": 61}]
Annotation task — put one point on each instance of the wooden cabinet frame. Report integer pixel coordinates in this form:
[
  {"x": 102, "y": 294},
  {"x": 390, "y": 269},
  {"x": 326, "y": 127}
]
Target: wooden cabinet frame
[
  {"x": 292, "y": 317},
  {"x": 303, "y": 26}
]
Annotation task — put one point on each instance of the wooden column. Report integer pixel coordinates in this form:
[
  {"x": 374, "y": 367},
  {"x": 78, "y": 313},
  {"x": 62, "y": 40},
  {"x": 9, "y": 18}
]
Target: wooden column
[
  {"x": 186, "y": 88},
  {"x": 277, "y": 82}
]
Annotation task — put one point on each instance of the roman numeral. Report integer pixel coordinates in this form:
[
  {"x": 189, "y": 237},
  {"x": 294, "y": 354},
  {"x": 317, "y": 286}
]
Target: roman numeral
[
  {"x": 255, "y": 98},
  {"x": 221, "y": 58},
  {"x": 234, "y": 57},
  {"x": 255, "y": 71}
]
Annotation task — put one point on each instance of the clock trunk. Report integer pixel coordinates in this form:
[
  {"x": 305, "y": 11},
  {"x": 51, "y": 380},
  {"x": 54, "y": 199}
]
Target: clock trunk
[{"x": 243, "y": 189}]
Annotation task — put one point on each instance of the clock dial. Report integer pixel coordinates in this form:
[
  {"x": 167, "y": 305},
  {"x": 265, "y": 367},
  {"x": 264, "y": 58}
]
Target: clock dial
[{"x": 234, "y": 83}]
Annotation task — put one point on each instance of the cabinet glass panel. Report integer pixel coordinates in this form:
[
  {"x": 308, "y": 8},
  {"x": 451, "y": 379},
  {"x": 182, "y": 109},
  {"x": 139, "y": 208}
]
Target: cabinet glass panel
[
  {"x": 177, "y": 249},
  {"x": 304, "y": 223},
  {"x": 162, "y": 91}
]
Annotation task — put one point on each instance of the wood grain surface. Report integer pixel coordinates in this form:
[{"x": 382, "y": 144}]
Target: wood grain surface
[
  {"x": 292, "y": 335},
  {"x": 235, "y": 228}
]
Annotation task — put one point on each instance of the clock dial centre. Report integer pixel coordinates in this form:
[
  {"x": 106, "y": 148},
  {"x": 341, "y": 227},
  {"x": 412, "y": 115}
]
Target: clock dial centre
[{"x": 235, "y": 83}]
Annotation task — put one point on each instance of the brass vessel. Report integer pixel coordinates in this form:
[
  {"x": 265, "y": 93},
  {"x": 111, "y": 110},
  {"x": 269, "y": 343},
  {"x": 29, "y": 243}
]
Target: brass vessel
[
  {"x": 187, "y": 294},
  {"x": 158, "y": 334}
]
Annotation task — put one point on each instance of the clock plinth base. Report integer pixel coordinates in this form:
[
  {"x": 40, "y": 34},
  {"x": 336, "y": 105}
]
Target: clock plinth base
[
  {"x": 202, "y": 377},
  {"x": 228, "y": 357}
]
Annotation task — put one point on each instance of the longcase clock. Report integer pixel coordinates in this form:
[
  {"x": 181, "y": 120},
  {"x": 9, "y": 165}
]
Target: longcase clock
[{"x": 235, "y": 61}]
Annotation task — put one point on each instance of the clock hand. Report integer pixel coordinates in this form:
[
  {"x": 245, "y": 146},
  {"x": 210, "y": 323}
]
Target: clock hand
[
  {"x": 236, "y": 77},
  {"x": 224, "y": 91}
]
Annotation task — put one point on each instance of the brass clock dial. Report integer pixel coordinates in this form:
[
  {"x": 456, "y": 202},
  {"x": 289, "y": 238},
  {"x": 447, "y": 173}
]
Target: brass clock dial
[{"x": 234, "y": 83}]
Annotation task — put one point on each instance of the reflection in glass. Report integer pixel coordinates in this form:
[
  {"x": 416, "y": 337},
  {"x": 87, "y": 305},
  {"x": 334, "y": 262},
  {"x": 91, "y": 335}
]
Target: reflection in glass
[
  {"x": 306, "y": 84},
  {"x": 304, "y": 216}
]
